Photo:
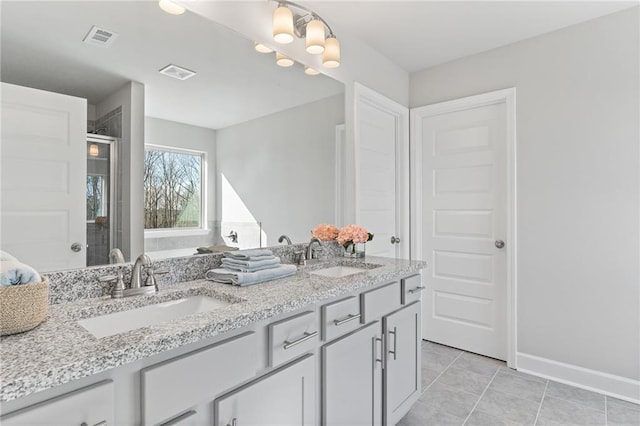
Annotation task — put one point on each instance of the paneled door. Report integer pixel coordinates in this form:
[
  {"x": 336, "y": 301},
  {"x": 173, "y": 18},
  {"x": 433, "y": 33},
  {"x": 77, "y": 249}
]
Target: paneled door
[
  {"x": 462, "y": 218},
  {"x": 382, "y": 172},
  {"x": 44, "y": 177}
]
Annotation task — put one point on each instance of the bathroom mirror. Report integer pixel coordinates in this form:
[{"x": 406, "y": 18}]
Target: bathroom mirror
[{"x": 268, "y": 137}]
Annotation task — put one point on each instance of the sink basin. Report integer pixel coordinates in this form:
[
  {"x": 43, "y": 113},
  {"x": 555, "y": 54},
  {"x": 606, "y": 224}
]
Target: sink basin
[
  {"x": 337, "y": 271},
  {"x": 119, "y": 322}
]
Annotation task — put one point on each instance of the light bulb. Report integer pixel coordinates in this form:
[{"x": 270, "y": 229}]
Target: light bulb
[
  {"x": 283, "y": 60},
  {"x": 170, "y": 7},
  {"x": 94, "y": 150},
  {"x": 331, "y": 55},
  {"x": 315, "y": 37},
  {"x": 283, "y": 25}
]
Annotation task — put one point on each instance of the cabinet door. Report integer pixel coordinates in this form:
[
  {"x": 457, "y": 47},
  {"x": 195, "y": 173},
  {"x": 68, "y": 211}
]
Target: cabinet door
[
  {"x": 283, "y": 397},
  {"x": 352, "y": 379},
  {"x": 402, "y": 372},
  {"x": 91, "y": 405}
]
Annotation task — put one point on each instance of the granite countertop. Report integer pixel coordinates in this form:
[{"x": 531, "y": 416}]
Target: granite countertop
[{"x": 60, "y": 350}]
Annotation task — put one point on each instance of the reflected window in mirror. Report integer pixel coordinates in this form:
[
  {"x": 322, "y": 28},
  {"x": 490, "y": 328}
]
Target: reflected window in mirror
[{"x": 173, "y": 186}]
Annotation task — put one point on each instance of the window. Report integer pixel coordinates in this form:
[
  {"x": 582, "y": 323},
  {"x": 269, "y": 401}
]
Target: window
[
  {"x": 96, "y": 197},
  {"x": 173, "y": 188}
]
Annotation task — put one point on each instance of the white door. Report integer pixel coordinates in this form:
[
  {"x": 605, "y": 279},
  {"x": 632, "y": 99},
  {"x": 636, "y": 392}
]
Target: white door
[
  {"x": 462, "y": 214},
  {"x": 44, "y": 173},
  {"x": 382, "y": 172}
]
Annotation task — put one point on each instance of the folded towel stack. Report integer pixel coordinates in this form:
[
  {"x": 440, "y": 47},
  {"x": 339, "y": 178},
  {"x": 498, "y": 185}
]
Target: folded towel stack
[
  {"x": 13, "y": 272},
  {"x": 248, "y": 267}
]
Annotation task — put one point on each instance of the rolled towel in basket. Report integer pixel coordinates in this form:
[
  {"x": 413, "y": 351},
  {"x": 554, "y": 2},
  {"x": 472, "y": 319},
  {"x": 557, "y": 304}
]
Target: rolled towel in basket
[
  {"x": 13, "y": 272},
  {"x": 6, "y": 256},
  {"x": 249, "y": 278},
  {"x": 254, "y": 254}
]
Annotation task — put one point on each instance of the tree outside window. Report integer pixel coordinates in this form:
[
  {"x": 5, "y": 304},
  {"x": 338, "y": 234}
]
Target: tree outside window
[{"x": 172, "y": 189}]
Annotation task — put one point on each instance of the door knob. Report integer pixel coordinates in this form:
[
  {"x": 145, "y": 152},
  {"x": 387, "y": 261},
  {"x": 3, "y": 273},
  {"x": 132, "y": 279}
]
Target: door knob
[
  {"x": 76, "y": 247},
  {"x": 395, "y": 240},
  {"x": 499, "y": 243}
]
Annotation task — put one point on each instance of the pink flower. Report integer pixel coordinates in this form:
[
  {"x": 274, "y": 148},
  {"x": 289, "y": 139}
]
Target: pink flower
[
  {"x": 325, "y": 232},
  {"x": 353, "y": 234}
]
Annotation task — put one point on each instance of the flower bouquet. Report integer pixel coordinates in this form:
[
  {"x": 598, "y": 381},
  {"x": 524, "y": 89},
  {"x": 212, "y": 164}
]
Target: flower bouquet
[{"x": 353, "y": 238}]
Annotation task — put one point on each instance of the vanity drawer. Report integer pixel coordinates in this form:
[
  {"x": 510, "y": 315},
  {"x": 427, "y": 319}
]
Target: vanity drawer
[
  {"x": 291, "y": 337},
  {"x": 340, "y": 317},
  {"x": 173, "y": 386},
  {"x": 376, "y": 303},
  {"x": 412, "y": 289},
  {"x": 90, "y": 405}
]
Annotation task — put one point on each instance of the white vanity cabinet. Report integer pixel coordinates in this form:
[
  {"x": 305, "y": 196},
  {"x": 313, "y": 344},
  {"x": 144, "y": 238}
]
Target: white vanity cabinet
[
  {"x": 89, "y": 406},
  {"x": 283, "y": 397}
]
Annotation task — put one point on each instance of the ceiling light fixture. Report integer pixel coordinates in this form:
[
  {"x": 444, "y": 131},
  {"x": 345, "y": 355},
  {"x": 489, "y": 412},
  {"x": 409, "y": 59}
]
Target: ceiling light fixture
[
  {"x": 307, "y": 24},
  {"x": 262, "y": 48},
  {"x": 94, "y": 150},
  {"x": 170, "y": 7},
  {"x": 311, "y": 71},
  {"x": 283, "y": 60}
]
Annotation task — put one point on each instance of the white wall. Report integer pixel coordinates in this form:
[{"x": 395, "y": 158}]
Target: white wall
[
  {"x": 179, "y": 135},
  {"x": 281, "y": 167},
  {"x": 578, "y": 186},
  {"x": 130, "y": 156}
]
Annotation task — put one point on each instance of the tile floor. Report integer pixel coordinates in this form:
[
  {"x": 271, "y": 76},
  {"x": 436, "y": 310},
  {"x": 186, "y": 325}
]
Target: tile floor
[{"x": 461, "y": 388}]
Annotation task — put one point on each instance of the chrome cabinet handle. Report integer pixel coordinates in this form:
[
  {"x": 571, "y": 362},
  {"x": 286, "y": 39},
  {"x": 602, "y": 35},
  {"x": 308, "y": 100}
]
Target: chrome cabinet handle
[
  {"x": 234, "y": 422},
  {"x": 375, "y": 350},
  {"x": 499, "y": 244},
  {"x": 306, "y": 336},
  {"x": 417, "y": 289},
  {"x": 180, "y": 418},
  {"x": 395, "y": 240},
  {"x": 102, "y": 423},
  {"x": 395, "y": 342},
  {"x": 348, "y": 318}
]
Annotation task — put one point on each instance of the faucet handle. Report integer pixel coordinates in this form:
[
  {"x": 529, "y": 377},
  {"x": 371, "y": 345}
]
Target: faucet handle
[
  {"x": 151, "y": 276},
  {"x": 118, "y": 289}
]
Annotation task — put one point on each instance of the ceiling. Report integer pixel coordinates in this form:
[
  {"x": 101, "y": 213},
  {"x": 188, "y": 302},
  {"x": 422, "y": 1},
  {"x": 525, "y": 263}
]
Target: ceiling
[
  {"x": 420, "y": 34},
  {"x": 42, "y": 47}
]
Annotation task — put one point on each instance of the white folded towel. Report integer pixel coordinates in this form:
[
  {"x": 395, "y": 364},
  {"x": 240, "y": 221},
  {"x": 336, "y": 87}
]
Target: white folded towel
[
  {"x": 250, "y": 265},
  {"x": 254, "y": 254},
  {"x": 6, "y": 256},
  {"x": 13, "y": 272},
  {"x": 242, "y": 279}
]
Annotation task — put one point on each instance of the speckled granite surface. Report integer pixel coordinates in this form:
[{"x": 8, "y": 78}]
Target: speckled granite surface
[{"x": 60, "y": 350}]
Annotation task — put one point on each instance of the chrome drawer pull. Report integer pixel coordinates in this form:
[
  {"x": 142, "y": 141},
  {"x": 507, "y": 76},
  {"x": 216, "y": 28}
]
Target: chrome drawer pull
[
  {"x": 395, "y": 342},
  {"x": 349, "y": 317},
  {"x": 304, "y": 338},
  {"x": 417, "y": 289},
  {"x": 181, "y": 417},
  {"x": 102, "y": 423}
]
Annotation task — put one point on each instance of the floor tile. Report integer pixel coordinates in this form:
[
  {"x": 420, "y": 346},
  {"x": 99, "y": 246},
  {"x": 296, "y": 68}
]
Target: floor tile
[
  {"x": 622, "y": 413},
  {"x": 523, "y": 375},
  {"x": 449, "y": 400},
  {"x": 508, "y": 407},
  {"x": 468, "y": 381},
  {"x": 424, "y": 413},
  {"x": 438, "y": 356},
  {"x": 518, "y": 386},
  {"x": 480, "y": 418},
  {"x": 429, "y": 375},
  {"x": 573, "y": 394},
  {"x": 478, "y": 364},
  {"x": 569, "y": 413}
]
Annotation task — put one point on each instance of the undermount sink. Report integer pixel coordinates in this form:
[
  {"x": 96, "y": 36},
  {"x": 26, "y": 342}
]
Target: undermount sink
[
  {"x": 337, "y": 271},
  {"x": 119, "y": 322}
]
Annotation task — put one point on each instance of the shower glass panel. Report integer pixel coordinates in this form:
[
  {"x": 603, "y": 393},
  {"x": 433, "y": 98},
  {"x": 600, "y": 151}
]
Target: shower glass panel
[{"x": 99, "y": 200}]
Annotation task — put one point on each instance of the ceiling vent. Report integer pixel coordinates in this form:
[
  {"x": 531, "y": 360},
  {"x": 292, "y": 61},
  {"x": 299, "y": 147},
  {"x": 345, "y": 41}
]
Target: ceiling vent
[
  {"x": 100, "y": 37},
  {"x": 177, "y": 72}
]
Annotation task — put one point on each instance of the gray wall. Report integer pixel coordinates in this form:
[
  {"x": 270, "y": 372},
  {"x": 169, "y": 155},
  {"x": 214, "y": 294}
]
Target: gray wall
[
  {"x": 578, "y": 207},
  {"x": 281, "y": 167}
]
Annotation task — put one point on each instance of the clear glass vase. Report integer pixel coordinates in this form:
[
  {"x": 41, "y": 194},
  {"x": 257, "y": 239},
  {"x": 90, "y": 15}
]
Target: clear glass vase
[{"x": 355, "y": 250}]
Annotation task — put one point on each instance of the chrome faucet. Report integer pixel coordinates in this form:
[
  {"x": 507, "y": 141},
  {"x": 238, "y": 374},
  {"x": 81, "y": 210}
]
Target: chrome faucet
[
  {"x": 310, "y": 247},
  {"x": 137, "y": 286},
  {"x": 284, "y": 237}
]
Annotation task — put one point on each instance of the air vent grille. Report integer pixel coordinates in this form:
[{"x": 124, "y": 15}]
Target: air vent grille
[
  {"x": 177, "y": 72},
  {"x": 100, "y": 37}
]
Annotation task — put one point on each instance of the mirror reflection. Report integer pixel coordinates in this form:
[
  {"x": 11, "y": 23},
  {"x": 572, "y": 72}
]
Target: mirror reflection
[{"x": 192, "y": 140}]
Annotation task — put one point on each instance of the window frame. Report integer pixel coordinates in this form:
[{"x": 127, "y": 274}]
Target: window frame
[{"x": 175, "y": 232}]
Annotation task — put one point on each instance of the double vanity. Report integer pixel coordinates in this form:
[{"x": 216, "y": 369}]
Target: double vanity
[{"x": 336, "y": 344}]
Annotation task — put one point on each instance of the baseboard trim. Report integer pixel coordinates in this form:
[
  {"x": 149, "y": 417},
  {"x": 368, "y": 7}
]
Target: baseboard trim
[{"x": 596, "y": 381}]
